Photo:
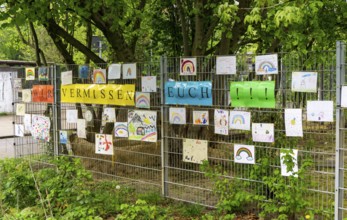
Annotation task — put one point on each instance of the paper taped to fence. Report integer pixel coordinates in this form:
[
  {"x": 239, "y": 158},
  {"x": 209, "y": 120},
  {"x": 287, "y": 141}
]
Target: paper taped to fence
[
  {"x": 142, "y": 125},
  {"x": 40, "y": 127},
  {"x": 244, "y": 154},
  {"x": 257, "y": 94},
  {"x": 42, "y": 93},
  {"x": 322, "y": 111},
  {"x": 293, "y": 122},
  {"x": 304, "y": 81},
  {"x": 266, "y": 64},
  {"x": 293, "y": 154},
  {"x": 103, "y": 144},
  {"x": 113, "y": 94},
  {"x": 188, "y": 93},
  {"x": 194, "y": 151}
]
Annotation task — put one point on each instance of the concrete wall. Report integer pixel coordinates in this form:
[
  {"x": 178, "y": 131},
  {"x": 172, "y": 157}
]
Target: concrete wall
[{"x": 6, "y": 90}]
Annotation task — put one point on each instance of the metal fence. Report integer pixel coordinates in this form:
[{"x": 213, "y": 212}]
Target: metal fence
[{"x": 159, "y": 166}]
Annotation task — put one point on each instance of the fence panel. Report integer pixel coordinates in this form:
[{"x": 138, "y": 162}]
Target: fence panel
[{"x": 185, "y": 181}]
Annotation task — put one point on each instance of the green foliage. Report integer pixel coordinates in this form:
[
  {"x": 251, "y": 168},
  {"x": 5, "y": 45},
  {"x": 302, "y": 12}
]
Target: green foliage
[
  {"x": 151, "y": 197},
  {"x": 191, "y": 210},
  {"x": 140, "y": 210},
  {"x": 231, "y": 192}
]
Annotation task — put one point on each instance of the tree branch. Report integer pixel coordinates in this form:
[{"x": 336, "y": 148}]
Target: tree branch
[
  {"x": 184, "y": 28},
  {"x": 36, "y": 44}
]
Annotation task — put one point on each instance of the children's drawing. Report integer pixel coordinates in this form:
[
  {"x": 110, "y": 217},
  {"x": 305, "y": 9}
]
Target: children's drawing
[
  {"x": 244, "y": 154},
  {"x": 263, "y": 132},
  {"x": 29, "y": 73},
  {"x": 71, "y": 116},
  {"x": 149, "y": 83},
  {"x": 344, "y": 97},
  {"x": 143, "y": 100},
  {"x": 17, "y": 83},
  {"x": 43, "y": 73},
  {"x": 26, "y": 95},
  {"x": 320, "y": 111},
  {"x": 83, "y": 72},
  {"x": 177, "y": 116},
  {"x": 81, "y": 128},
  {"x": 266, "y": 64},
  {"x": 99, "y": 76},
  {"x": 293, "y": 158},
  {"x": 142, "y": 125},
  {"x": 114, "y": 71},
  {"x": 293, "y": 122},
  {"x": 40, "y": 126},
  {"x": 66, "y": 78},
  {"x": 225, "y": 65},
  {"x": 103, "y": 144},
  {"x": 129, "y": 71},
  {"x": 221, "y": 121},
  {"x": 200, "y": 117},
  {"x": 20, "y": 109},
  {"x": 27, "y": 122},
  {"x": 304, "y": 82},
  {"x": 63, "y": 137},
  {"x": 188, "y": 66},
  {"x": 19, "y": 130},
  {"x": 240, "y": 120},
  {"x": 195, "y": 151},
  {"x": 121, "y": 129},
  {"x": 109, "y": 115}
]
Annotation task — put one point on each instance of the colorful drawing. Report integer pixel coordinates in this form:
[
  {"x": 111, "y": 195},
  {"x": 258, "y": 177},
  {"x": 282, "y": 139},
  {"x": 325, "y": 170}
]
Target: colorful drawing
[
  {"x": 177, "y": 116},
  {"x": 266, "y": 64},
  {"x": 129, "y": 71},
  {"x": 143, "y": 100},
  {"x": 225, "y": 65},
  {"x": 142, "y": 125},
  {"x": 263, "y": 132},
  {"x": 294, "y": 159},
  {"x": 81, "y": 128},
  {"x": 99, "y": 76},
  {"x": 27, "y": 122},
  {"x": 121, "y": 129},
  {"x": 19, "y": 130},
  {"x": 149, "y": 83},
  {"x": 221, "y": 121},
  {"x": 188, "y": 67},
  {"x": 29, "y": 73},
  {"x": 240, "y": 120},
  {"x": 83, "y": 72},
  {"x": 304, "y": 82},
  {"x": 293, "y": 122},
  {"x": 259, "y": 94},
  {"x": 103, "y": 144},
  {"x": 40, "y": 126},
  {"x": 244, "y": 154},
  {"x": 200, "y": 118},
  {"x": 322, "y": 111},
  {"x": 71, "y": 116},
  {"x": 188, "y": 93},
  {"x": 195, "y": 151},
  {"x": 63, "y": 137},
  {"x": 20, "y": 109},
  {"x": 66, "y": 77},
  {"x": 43, "y": 74},
  {"x": 26, "y": 95},
  {"x": 114, "y": 71}
]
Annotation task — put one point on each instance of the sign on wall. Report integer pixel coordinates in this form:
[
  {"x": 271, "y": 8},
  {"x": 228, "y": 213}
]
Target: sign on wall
[
  {"x": 188, "y": 93},
  {"x": 122, "y": 95},
  {"x": 42, "y": 93}
]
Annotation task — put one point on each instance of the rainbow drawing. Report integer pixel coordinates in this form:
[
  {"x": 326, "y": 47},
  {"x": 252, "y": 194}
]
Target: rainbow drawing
[
  {"x": 266, "y": 67},
  {"x": 244, "y": 154},
  {"x": 176, "y": 118},
  {"x": 238, "y": 119},
  {"x": 121, "y": 129},
  {"x": 142, "y": 100},
  {"x": 188, "y": 66},
  {"x": 30, "y": 73},
  {"x": 99, "y": 76},
  {"x": 149, "y": 137}
]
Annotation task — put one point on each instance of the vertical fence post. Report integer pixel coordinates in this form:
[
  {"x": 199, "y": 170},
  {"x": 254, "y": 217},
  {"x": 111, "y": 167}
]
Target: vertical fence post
[
  {"x": 340, "y": 80},
  {"x": 56, "y": 108},
  {"x": 164, "y": 159}
]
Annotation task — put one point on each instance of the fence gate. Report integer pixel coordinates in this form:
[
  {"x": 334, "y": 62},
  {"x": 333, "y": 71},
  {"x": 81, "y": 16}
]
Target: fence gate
[{"x": 185, "y": 137}]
